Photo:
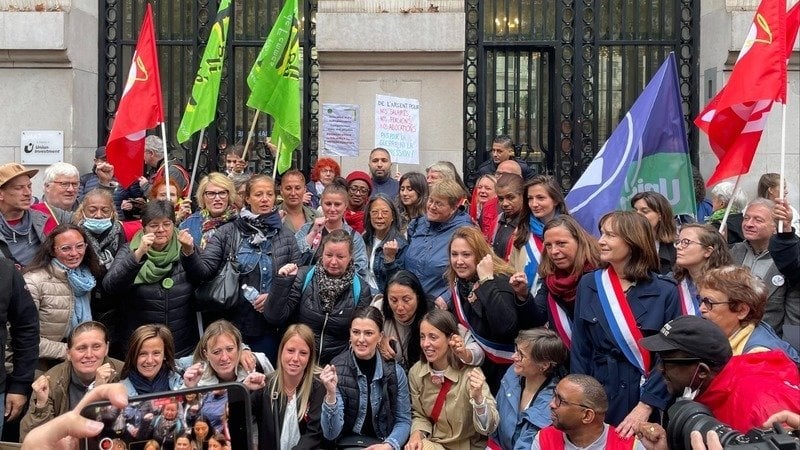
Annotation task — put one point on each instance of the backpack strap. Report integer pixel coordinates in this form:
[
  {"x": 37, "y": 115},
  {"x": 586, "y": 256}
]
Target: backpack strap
[
  {"x": 356, "y": 284},
  {"x": 308, "y": 278}
]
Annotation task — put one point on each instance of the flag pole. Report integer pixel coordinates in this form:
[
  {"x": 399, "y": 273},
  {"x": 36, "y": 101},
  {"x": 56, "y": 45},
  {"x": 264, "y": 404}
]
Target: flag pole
[
  {"x": 250, "y": 134},
  {"x": 166, "y": 159},
  {"x": 196, "y": 159},
  {"x": 275, "y": 159},
  {"x": 783, "y": 157},
  {"x": 724, "y": 223}
]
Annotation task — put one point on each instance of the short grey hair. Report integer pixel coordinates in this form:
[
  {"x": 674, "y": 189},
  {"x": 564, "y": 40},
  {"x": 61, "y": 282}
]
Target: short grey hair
[
  {"x": 154, "y": 144},
  {"x": 724, "y": 192},
  {"x": 60, "y": 169},
  {"x": 761, "y": 201}
]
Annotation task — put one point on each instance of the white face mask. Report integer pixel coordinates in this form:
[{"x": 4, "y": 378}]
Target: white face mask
[{"x": 688, "y": 392}]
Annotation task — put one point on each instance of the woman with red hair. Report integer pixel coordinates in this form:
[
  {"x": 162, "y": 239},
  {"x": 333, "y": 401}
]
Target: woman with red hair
[{"x": 323, "y": 173}]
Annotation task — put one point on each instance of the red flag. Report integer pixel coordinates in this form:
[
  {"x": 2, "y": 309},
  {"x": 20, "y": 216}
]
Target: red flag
[
  {"x": 139, "y": 108},
  {"x": 735, "y": 118}
]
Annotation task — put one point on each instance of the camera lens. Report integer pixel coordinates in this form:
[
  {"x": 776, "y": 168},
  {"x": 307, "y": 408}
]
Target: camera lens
[
  {"x": 687, "y": 416},
  {"x": 105, "y": 444}
]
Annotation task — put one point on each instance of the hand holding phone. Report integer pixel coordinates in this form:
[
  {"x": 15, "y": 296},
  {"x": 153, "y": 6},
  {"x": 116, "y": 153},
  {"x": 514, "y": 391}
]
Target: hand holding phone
[{"x": 62, "y": 431}]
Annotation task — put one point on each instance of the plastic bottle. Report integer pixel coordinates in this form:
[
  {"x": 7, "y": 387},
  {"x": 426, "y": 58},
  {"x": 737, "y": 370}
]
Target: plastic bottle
[{"x": 250, "y": 293}]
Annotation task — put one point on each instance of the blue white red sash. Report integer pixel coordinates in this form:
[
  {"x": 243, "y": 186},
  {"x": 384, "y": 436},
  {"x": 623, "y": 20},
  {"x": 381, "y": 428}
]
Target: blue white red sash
[
  {"x": 532, "y": 257},
  {"x": 561, "y": 320},
  {"x": 620, "y": 319},
  {"x": 688, "y": 294},
  {"x": 496, "y": 352}
]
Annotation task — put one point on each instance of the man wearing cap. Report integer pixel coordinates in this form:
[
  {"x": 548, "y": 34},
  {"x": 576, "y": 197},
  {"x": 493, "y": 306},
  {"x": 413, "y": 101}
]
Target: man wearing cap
[
  {"x": 578, "y": 410},
  {"x": 380, "y": 166},
  {"x": 22, "y": 230},
  {"x": 741, "y": 391},
  {"x": 101, "y": 176},
  {"x": 359, "y": 188}
]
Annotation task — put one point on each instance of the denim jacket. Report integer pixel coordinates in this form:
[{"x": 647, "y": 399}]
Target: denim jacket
[
  {"x": 518, "y": 428},
  {"x": 333, "y": 415}
]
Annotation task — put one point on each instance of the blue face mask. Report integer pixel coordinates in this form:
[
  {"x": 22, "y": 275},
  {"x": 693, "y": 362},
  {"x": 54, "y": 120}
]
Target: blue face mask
[{"x": 96, "y": 226}]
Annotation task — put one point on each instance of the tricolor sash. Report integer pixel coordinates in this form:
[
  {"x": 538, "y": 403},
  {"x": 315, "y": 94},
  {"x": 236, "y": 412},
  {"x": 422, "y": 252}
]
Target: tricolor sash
[
  {"x": 533, "y": 256},
  {"x": 498, "y": 353},
  {"x": 561, "y": 320},
  {"x": 688, "y": 294},
  {"x": 620, "y": 319}
]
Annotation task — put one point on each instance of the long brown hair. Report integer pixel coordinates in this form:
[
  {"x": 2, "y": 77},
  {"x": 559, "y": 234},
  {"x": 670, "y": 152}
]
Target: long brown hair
[
  {"x": 445, "y": 322},
  {"x": 553, "y": 190},
  {"x": 666, "y": 230},
  {"x": 140, "y": 335},
  {"x": 47, "y": 252},
  {"x": 477, "y": 243},
  {"x": 708, "y": 236},
  {"x": 588, "y": 253}
]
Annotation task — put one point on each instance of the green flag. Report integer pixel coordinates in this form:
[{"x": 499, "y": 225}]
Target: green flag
[
  {"x": 202, "y": 106},
  {"x": 275, "y": 83}
]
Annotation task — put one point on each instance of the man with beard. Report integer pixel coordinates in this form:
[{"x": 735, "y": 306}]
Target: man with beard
[
  {"x": 22, "y": 230},
  {"x": 578, "y": 410},
  {"x": 359, "y": 189},
  {"x": 741, "y": 391},
  {"x": 380, "y": 166}
]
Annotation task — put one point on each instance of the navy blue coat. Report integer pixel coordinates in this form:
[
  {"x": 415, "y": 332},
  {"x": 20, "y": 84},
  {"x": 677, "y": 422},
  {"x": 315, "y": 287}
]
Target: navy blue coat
[{"x": 595, "y": 352}]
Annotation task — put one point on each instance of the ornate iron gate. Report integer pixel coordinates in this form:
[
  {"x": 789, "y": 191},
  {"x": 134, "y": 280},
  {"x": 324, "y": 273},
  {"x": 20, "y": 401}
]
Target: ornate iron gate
[
  {"x": 182, "y": 27},
  {"x": 558, "y": 76}
]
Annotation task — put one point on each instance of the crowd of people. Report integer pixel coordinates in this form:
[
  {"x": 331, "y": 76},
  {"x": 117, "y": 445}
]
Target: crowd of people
[{"x": 391, "y": 311}]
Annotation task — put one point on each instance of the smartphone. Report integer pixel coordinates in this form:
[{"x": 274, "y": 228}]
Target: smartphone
[{"x": 165, "y": 417}]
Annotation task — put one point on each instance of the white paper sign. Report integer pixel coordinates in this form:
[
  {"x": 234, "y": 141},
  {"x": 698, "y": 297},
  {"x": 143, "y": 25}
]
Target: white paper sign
[
  {"x": 397, "y": 127},
  {"x": 42, "y": 148},
  {"x": 341, "y": 129}
]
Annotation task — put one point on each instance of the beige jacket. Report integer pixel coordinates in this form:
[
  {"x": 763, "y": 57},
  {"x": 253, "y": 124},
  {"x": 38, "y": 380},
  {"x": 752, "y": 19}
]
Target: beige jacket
[{"x": 54, "y": 299}]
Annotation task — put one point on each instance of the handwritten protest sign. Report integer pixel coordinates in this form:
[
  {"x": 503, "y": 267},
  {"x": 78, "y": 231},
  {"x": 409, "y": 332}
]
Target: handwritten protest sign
[{"x": 397, "y": 127}]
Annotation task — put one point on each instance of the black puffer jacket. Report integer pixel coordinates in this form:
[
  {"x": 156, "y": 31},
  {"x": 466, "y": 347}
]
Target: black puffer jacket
[
  {"x": 152, "y": 303},
  {"x": 290, "y": 303},
  {"x": 283, "y": 250}
]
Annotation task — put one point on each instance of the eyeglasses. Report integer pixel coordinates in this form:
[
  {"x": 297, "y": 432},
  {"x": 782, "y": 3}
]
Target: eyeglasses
[
  {"x": 79, "y": 247},
  {"x": 358, "y": 190},
  {"x": 520, "y": 354},
  {"x": 436, "y": 204},
  {"x": 685, "y": 242},
  {"x": 558, "y": 400},
  {"x": 211, "y": 194},
  {"x": 680, "y": 361},
  {"x": 380, "y": 213},
  {"x": 160, "y": 226},
  {"x": 710, "y": 303},
  {"x": 67, "y": 184}
]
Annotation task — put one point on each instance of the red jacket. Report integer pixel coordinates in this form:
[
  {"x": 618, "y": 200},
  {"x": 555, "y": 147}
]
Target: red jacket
[
  {"x": 751, "y": 388},
  {"x": 551, "y": 438}
]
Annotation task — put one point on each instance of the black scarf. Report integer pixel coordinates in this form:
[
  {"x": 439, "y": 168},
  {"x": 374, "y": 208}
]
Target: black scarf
[
  {"x": 106, "y": 244},
  {"x": 160, "y": 383},
  {"x": 331, "y": 288}
]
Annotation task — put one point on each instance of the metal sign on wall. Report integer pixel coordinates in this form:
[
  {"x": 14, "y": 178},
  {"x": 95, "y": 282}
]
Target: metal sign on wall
[{"x": 42, "y": 148}]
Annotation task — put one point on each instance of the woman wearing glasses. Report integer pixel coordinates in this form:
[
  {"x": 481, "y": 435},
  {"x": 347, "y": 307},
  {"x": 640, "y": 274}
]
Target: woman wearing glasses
[
  {"x": 359, "y": 188},
  {"x": 61, "y": 278},
  {"x": 527, "y": 387},
  {"x": 324, "y": 172},
  {"x": 216, "y": 198},
  {"x": 261, "y": 245},
  {"x": 734, "y": 299},
  {"x": 427, "y": 255},
  {"x": 616, "y": 306},
  {"x": 382, "y": 223},
  {"x": 700, "y": 248},
  {"x": 151, "y": 280}
]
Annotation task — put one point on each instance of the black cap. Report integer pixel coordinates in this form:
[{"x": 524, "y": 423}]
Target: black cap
[
  {"x": 694, "y": 335},
  {"x": 100, "y": 153}
]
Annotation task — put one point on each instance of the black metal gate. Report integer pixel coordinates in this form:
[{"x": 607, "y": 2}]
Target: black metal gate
[
  {"x": 182, "y": 27},
  {"x": 558, "y": 75}
]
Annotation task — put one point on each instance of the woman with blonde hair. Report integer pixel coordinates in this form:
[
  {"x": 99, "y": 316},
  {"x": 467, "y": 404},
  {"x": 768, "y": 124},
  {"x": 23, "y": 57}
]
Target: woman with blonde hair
[
  {"x": 216, "y": 202},
  {"x": 288, "y": 410},
  {"x": 483, "y": 299}
]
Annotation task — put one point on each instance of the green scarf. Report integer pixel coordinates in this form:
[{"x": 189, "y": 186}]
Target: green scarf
[{"x": 158, "y": 264}]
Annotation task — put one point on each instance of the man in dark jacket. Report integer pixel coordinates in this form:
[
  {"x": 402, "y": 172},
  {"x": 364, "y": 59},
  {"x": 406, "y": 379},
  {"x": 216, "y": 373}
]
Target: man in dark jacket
[
  {"x": 503, "y": 150},
  {"x": 17, "y": 308}
]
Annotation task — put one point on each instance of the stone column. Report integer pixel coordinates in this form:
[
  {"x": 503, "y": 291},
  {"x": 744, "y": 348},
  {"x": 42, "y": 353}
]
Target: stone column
[{"x": 403, "y": 48}]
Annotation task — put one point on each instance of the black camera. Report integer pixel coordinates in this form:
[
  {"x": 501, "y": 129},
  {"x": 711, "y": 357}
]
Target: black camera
[{"x": 686, "y": 416}]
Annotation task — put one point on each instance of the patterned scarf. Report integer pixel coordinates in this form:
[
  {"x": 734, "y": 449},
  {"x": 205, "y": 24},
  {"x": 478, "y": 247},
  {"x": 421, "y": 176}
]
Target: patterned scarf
[
  {"x": 258, "y": 228},
  {"x": 81, "y": 281},
  {"x": 106, "y": 247},
  {"x": 210, "y": 223},
  {"x": 158, "y": 264},
  {"x": 331, "y": 288}
]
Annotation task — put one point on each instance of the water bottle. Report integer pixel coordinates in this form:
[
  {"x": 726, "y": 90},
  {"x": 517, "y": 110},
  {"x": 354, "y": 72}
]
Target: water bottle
[{"x": 250, "y": 293}]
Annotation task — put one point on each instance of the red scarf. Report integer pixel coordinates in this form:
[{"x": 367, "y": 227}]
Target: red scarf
[
  {"x": 355, "y": 219},
  {"x": 565, "y": 287}
]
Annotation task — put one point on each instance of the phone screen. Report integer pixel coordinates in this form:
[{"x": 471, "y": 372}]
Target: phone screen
[{"x": 167, "y": 420}]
